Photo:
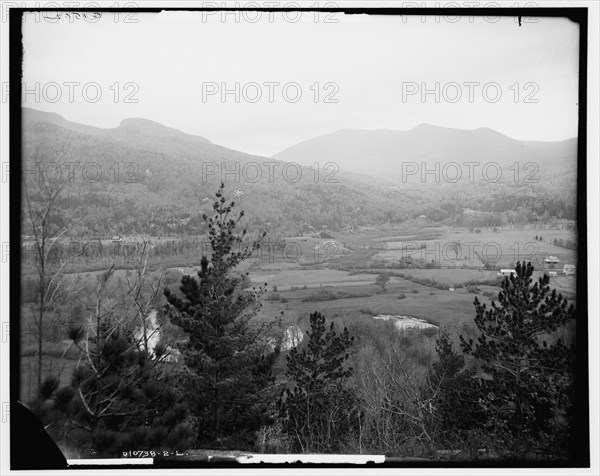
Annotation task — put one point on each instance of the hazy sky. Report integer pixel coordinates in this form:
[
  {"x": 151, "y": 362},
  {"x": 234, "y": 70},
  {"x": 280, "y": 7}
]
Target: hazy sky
[{"x": 176, "y": 65}]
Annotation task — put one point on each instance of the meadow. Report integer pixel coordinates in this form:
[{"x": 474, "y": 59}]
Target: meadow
[
  {"x": 341, "y": 285},
  {"x": 344, "y": 289}
]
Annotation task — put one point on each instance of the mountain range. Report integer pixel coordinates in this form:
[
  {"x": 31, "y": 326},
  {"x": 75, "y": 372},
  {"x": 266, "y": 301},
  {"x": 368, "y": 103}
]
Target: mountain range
[
  {"x": 382, "y": 153},
  {"x": 159, "y": 180}
]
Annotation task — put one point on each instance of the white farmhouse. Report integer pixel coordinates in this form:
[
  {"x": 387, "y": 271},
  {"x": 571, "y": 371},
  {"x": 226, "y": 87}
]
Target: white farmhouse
[{"x": 507, "y": 272}]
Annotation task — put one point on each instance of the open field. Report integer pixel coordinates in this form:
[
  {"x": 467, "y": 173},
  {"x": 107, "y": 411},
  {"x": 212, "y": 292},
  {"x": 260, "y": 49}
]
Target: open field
[
  {"x": 347, "y": 293},
  {"x": 439, "y": 308},
  {"x": 500, "y": 249},
  {"x": 442, "y": 307},
  {"x": 286, "y": 279}
]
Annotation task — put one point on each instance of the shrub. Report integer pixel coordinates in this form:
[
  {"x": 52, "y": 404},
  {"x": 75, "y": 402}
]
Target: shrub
[
  {"x": 272, "y": 439},
  {"x": 473, "y": 289},
  {"x": 283, "y": 299},
  {"x": 353, "y": 295},
  {"x": 401, "y": 296},
  {"x": 382, "y": 280},
  {"x": 321, "y": 295},
  {"x": 433, "y": 265},
  {"x": 415, "y": 291},
  {"x": 496, "y": 280},
  {"x": 429, "y": 332}
]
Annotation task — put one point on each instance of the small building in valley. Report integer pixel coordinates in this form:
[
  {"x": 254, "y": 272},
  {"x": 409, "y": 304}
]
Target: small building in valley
[
  {"x": 507, "y": 272},
  {"x": 569, "y": 269}
]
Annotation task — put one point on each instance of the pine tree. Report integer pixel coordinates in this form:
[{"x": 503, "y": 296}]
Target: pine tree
[
  {"x": 228, "y": 377},
  {"x": 318, "y": 409},
  {"x": 120, "y": 397},
  {"x": 526, "y": 391},
  {"x": 453, "y": 387}
]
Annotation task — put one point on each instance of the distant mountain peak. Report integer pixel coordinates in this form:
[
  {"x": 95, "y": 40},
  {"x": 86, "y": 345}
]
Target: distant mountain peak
[
  {"x": 138, "y": 125},
  {"x": 134, "y": 128},
  {"x": 36, "y": 115},
  {"x": 140, "y": 122},
  {"x": 146, "y": 126},
  {"x": 426, "y": 125},
  {"x": 423, "y": 127},
  {"x": 383, "y": 153}
]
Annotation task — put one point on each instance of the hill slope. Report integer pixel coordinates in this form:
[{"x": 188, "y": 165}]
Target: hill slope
[
  {"x": 383, "y": 152},
  {"x": 158, "y": 180},
  {"x": 143, "y": 177}
]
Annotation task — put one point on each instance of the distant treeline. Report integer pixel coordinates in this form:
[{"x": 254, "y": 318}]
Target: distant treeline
[{"x": 97, "y": 211}]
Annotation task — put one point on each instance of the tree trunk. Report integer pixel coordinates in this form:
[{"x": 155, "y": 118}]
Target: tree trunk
[{"x": 40, "y": 335}]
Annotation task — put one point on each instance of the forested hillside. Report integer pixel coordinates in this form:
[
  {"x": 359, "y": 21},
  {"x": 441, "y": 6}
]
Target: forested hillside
[{"x": 143, "y": 177}]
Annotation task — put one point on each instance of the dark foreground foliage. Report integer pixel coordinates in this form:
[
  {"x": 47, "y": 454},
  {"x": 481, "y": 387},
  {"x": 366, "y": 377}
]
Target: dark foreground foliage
[
  {"x": 227, "y": 381},
  {"x": 507, "y": 395}
]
